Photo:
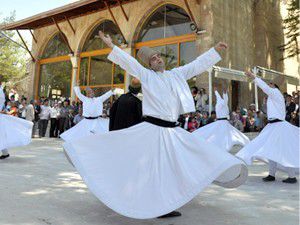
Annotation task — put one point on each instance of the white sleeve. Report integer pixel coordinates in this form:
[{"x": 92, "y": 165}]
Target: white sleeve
[
  {"x": 78, "y": 94},
  {"x": 105, "y": 96},
  {"x": 128, "y": 63},
  {"x": 225, "y": 97},
  {"x": 200, "y": 64},
  {"x": 218, "y": 96},
  {"x": 265, "y": 87}
]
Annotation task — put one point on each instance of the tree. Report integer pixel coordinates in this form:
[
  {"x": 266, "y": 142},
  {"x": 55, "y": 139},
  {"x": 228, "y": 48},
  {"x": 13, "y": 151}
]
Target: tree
[
  {"x": 13, "y": 57},
  {"x": 291, "y": 26}
]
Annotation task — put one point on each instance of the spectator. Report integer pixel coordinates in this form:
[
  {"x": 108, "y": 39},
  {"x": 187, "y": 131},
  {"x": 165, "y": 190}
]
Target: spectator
[
  {"x": 192, "y": 124},
  {"x": 44, "y": 118},
  {"x": 54, "y": 121},
  {"x": 78, "y": 117},
  {"x": 290, "y": 107},
  {"x": 37, "y": 110},
  {"x": 212, "y": 118},
  {"x": 63, "y": 114},
  {"x": 22, "y": 109}
]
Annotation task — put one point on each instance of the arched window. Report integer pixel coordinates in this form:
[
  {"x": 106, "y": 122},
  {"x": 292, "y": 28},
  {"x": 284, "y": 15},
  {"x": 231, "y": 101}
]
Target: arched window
[
  {"x": 166, "y": 21},
  {"x": 168, "y": 30},
  {"x": 55, "y": 70},
  {"x": 95, "y": 69},
  {"x": 55, "y": 47},
  {"x": 93, "y": 42}
]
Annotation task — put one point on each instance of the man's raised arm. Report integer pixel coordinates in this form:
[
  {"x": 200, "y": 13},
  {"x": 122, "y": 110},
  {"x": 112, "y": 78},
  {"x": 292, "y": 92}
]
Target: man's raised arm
[
  {"x": 202, "y": 63},
  {"x": 106, "y": 96},
  {"x": 260, "y": 83},
  {"x": 123, "y": 59},
  {"x": 78, "y": 92}
]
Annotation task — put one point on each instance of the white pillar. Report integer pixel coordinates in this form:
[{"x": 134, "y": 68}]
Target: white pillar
[
  {"x": 255, "y": 71},
  {"x": 74, "y": 61},
  {"x": 210, "y": 89}
]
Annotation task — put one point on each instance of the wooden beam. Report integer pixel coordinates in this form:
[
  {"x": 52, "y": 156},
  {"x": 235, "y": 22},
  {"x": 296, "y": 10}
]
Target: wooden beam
[
  {"x": 123, "y": 11},
  {"x": 33, "y": 59},
  {"x": 33, "y": 36},
  {"x": 114, "y": 19},
  {"x": 190, "y": 12},
  {"x": 72, "y": 28},
  {"x": 63, "y": 36}
]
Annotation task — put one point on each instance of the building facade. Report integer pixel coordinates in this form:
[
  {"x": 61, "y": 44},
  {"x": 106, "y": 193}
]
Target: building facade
[{"x": 252, "y": 28}]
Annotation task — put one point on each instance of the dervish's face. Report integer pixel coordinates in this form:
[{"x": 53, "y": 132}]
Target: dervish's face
[
  {"x": 157, "y": 63},
  {"x": 271, "y": 85},
  {"x": 90, "y": 93}
]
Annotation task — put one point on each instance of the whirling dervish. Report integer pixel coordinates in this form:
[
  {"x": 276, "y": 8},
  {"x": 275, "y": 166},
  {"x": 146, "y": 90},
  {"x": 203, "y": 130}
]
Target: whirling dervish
[
  {"x": 154, "y": 167},
  {"x": 278, "y": 142},
  {"x": 221, "y": 132},
  {"x": 14, "y": 132},
  {"x": 93, "y": 123}
]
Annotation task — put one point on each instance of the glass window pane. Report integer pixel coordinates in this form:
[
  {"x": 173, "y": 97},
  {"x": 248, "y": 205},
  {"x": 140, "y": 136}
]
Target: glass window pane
[
  {"x": 119, "y": 75},
  {"x": 188, "y": 53},
  {"x": 55, "y": 47},
  {"x": 94, "y": 43},
  {"x": 101, "y": 70},
  {"x": 55, "y": 80},
  {"x": 167, "y": 21},
  {"x": 83, "y": 73}
]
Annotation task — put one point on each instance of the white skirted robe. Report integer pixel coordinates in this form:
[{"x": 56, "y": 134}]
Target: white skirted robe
[
  {"x": 147, "y": 170},
  {"x": 14, "y": 132},
  {"x": 92, "y": 107},
  {"x": 277, "y": 142},
  {"x": 221, "y": 132}
]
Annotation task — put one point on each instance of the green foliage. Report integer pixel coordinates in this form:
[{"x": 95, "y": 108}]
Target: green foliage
[
  {"x": 12, "y": 56},
  {"x": 292, "y": 27}
]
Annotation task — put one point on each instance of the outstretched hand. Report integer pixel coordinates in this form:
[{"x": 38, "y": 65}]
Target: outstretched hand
[
  {"x": 114, "y": 91},
  {"x": 250, "y": 74},
  {"x": 106, "y": 39},
  {"x": 221, "y": 46},
  {"x": 215, "y": 88}
]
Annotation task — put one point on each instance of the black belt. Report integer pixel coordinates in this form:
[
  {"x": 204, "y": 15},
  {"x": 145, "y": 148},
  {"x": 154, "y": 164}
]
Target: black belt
[
  {"x": 222, "y": 119},
  {"x": 160, "y": 122},
  {"x": 274, "y": 121},
  {"x": 92, "y": 118}
]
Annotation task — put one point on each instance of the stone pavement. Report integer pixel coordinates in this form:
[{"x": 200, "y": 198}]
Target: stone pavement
[{"x": 38, "y": 187}]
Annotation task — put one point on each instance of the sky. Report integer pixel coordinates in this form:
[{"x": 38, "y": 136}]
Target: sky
[{"x": 27, "y": 8}]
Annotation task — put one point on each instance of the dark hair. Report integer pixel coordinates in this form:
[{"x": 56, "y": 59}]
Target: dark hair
[
  {"x": 46, "y": 100},
  {"x": 213, "y": 112},
  {"x": 276, "y": 86}
]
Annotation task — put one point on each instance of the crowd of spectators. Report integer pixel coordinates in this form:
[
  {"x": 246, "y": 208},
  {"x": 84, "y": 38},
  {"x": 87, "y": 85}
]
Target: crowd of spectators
[{"x": 61, "y": 115}]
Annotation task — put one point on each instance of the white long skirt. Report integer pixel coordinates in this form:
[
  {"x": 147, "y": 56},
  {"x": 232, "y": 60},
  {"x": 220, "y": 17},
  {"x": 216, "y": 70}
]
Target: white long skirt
[
  {"x": 85, "y": 128},
  {"x": 146, "y": 171},
  {"x": 222, "y": 134},
  {"x": 278, "y": 142},
  {"x": 14, "y": 132}
]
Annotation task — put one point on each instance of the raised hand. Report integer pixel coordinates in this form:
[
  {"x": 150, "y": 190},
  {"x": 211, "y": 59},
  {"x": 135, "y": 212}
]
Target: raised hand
[
  {"x": 250, "y": 74},
  {"x": 106, "y": 39},
  {"x": 78, "y": 83},
  {"x": 221, "y": 46}
]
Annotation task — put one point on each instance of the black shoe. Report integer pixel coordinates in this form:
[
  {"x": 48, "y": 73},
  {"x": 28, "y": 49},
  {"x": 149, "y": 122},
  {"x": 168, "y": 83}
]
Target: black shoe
[
  {"x": 290, "y": 180},
  {"x": 269, "y": 178},
  {"x": 171, "y": 214},
  {"x": 4, "y": 156}
]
